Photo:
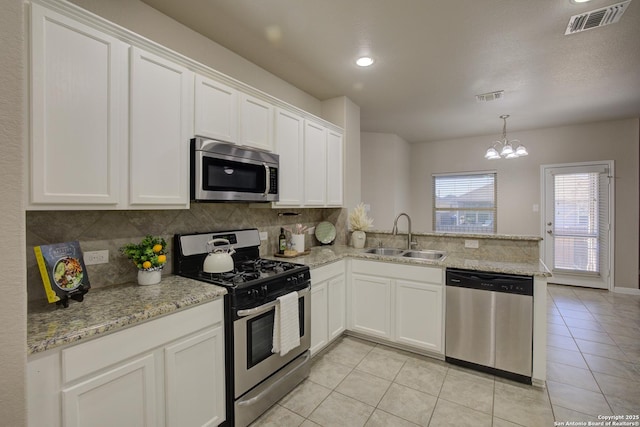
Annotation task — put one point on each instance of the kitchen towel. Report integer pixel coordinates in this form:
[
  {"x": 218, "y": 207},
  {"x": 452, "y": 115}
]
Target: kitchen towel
[{"x": 286, "y": 326}]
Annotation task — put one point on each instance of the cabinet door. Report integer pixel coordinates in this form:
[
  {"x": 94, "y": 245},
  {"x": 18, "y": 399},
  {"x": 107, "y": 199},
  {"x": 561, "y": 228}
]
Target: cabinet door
[
  {"x": 122, "y": 396},
  {"x": 216, "y": 110},
  {"x": 289, "y": 146},
  {"x": 371, "y": 305},
  {"x": 337, "y": 307},
  {"x": 315, "y": 164},
  {"x": 161, "y": 125},
  {"x": 418, "y": 315},
  {"x": 256, "y": 123},
  {"x": 195, "y": 378},
  {"x": 319, "y": 333},
  {"x": 79, "y": 107},
  {"x": 334, "y": 168}
]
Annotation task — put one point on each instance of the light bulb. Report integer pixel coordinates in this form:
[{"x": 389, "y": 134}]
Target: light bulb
[
  {"x": 506, "y": 150},
  {"x": 521, "y": 150}
]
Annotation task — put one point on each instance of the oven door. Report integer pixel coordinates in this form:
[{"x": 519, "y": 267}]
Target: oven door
[{"x": 253, "y": 341}]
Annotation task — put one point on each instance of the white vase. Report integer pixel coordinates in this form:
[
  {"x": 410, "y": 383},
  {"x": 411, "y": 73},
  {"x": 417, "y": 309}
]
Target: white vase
[
  {"x": 297, "y": 242},
  {"x": 149, "y": 277},
  {"x": 358, "y": 238}
]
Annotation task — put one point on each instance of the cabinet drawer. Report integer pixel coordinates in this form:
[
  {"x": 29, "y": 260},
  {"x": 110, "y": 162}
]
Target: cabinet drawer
[
  {"x": 320, "y": 274},
  {"x": 82, "y": 359},
  {"x": 417, "y": 273}
]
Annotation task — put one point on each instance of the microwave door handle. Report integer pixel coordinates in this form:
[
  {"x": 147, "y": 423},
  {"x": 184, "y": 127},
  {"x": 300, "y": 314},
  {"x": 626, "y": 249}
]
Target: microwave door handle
[{"x": 267, "y": 180}]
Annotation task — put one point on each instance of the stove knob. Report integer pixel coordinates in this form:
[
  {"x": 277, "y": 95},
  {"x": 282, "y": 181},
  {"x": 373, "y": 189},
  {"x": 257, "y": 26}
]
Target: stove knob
[{"x": 253, "y": 293}]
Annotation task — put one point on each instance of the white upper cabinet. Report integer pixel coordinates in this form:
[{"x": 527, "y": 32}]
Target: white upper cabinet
[
  {"x": 78, "y": 112},
  {"x": 315, "y": 164},
  {"x": 256, "y": 122},
  {"x": 161, "y": 125},
  {"x": 289, "y": 146},
  {"x": 112, "y": 115},
  {"x": 334, "y": 168},
  {"x": 216, "y": 110},
  {"x": 323, "y": 165}
]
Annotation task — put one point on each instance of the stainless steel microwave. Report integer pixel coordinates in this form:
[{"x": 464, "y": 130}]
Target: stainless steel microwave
[{"x": 223, "y": 172}]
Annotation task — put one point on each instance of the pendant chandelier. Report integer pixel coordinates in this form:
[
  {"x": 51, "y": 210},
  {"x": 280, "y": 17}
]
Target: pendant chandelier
[{"x": 504, "y": 148}]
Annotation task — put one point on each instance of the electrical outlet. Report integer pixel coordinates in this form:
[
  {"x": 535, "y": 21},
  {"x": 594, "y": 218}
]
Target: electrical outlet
[
  {"x": 472, "y": 244},
  {"x": 96, "y": 257},
  {"x": 264, "y": 235}
]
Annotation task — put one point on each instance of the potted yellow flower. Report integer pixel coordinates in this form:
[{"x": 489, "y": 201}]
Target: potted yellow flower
[{"x": 149, "y": 256}]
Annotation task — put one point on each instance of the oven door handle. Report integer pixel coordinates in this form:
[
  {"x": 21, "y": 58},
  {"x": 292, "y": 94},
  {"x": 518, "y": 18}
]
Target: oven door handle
[
  {"x": 265, "y": 307},
  {"x": 267, "y": 180},
  {"x": 262, "y": 394}
]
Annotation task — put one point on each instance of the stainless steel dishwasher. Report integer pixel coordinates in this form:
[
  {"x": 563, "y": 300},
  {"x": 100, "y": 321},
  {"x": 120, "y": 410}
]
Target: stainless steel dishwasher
[{"x": 489, "y": 322}]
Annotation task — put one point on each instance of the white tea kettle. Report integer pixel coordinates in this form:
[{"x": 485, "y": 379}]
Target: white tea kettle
[{"x": 218, "y": 260}]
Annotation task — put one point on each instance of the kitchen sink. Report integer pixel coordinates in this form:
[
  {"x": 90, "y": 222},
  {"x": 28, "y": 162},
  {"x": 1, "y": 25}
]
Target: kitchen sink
[
  {"x": 430, "y": 255},
  {"x": 384, "y": 251}
]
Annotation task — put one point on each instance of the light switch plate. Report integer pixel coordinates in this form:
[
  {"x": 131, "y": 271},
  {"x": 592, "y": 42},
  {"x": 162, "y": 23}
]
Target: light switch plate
[
  {"x": 96, "y": 257},
  {"x": 471, "y": 244},
  {"x": 264, "y": 235}
]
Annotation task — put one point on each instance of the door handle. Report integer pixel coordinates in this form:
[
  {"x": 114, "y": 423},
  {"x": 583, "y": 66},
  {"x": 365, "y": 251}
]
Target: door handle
[{"x": 267, "y": 179}]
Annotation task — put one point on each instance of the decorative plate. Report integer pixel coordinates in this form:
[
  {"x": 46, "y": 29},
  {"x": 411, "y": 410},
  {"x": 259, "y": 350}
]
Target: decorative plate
[{"x": 325, "y": 232}]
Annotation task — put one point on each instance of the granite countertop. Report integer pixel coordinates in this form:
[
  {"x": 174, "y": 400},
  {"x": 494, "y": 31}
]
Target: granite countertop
[
  {"x": 321, "y": 255},
  {"x": 111, "y": 308}
]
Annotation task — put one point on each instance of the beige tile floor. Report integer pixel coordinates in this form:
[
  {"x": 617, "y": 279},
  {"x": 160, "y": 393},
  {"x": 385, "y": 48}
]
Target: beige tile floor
[{"x": 593, "y": 369}]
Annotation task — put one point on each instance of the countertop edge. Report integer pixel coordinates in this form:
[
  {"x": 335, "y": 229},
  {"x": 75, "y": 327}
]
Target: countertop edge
[
  {"x": 117, "y": 323},
  {"x": 321, "y": 256}
]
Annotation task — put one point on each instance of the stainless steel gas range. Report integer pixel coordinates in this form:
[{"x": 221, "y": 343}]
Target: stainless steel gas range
[{"x": 256, "y": 377}]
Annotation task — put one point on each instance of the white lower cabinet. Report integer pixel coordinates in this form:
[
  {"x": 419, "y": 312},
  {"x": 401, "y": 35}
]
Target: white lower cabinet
[
  {"x": 194, "y": 372},
  {"x": 165, "y": 372},
  {"x": 418, "y": 315},
  {"x": 398, "y": 303},
  {"x": 328, "y": 304},
  {"x": 122, "y": 396},
  {"x": 371, "y": 305}
]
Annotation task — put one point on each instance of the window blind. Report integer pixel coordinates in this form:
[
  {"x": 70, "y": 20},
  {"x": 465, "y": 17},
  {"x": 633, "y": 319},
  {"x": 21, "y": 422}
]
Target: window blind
[
  {"x": 581, "y": 223},
  {"x": 465, "y": 203}
]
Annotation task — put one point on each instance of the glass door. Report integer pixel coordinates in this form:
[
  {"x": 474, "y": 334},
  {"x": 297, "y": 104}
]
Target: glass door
[{"x": 577, "y": 226}]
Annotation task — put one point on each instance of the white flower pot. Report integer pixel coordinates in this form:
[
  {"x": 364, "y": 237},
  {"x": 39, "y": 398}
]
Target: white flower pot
[
  {"x": 358, "y": 238},
  {"x": 149, "y": 277},
  {"x": 297, "y": 242}
]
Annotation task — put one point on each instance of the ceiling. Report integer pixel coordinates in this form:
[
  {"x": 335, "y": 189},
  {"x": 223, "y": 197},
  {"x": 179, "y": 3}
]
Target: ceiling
[{"x": 433, "y": 56}]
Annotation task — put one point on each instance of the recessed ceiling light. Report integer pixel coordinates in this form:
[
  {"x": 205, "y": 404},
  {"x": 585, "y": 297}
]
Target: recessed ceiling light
[
  {"x": 579, "y": 1},
  {"x": 364, "y": 61}
]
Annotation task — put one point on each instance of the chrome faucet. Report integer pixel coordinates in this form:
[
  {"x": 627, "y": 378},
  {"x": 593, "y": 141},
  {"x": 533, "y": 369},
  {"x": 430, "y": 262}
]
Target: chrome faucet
[{"x": 395, "y": 229}]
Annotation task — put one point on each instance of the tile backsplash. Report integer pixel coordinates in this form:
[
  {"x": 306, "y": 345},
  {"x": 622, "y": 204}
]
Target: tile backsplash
[{"x": 97, "y": 230}]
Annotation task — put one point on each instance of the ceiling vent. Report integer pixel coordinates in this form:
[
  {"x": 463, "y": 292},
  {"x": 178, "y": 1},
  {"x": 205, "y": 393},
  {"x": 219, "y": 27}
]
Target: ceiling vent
[
  {"x": 596, "y": 18},
  {"x": 490, "y": 96}
]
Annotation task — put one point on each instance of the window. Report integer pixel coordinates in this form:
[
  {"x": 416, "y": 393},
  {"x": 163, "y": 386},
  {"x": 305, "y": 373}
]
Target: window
[{"x": 464, "y": 203}]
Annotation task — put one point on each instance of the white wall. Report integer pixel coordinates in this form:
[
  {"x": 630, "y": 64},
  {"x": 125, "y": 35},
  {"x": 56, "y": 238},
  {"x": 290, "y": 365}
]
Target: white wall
[
  {"x": 385, "y": 177},
  {"x": 13, "y": 287},
  {"x": 519, "y": 179}
]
